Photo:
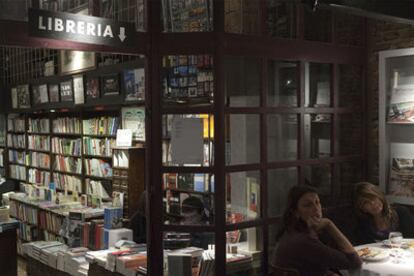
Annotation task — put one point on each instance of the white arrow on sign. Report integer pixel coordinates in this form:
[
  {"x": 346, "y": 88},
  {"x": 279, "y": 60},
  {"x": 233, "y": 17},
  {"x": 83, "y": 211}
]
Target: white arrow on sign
[{"x": 122, "y": 35}]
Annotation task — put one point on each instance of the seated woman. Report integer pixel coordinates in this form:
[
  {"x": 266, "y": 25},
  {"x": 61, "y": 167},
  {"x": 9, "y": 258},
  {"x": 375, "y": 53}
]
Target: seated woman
[
  {"x": 376, "y": 218},
  {"x": 302, "y": 240}
]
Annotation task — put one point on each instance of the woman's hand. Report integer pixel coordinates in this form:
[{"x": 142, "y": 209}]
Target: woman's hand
[{"x": 318, "y": 224}]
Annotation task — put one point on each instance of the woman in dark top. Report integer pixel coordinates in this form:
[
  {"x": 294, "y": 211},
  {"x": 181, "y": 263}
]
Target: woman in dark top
[
  {"x": 303, "y": 238},
  {"x": 376, "y": 218}
]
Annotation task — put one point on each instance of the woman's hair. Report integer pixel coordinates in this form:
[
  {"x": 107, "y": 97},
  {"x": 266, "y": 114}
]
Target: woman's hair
[
  {"x": 365, "y": 191},
  {"x": 289, "y": 220}
]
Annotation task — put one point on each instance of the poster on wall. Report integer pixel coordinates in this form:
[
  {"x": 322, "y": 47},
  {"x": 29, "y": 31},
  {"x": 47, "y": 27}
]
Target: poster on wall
[
  {"x": 78, "y": 89},
  {"x": 23, "y": 96},
  {"x": 401, "y": 107},
  {"x": 401, "y": 170},
  {"x": 92, "y": 88},
  {"x": 66, "y": 91},
  {"x": 134, "y": 82},
  {"x": 54, "y": 93},
  {"x": 133, "y": 118}
]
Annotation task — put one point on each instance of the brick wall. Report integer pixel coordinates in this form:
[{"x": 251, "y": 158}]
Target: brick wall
[{"x": 381, "y": 36}]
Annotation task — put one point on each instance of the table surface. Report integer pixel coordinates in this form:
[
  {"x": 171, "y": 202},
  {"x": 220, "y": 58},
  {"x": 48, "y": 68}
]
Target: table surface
[{"x": 399, "y": 263}]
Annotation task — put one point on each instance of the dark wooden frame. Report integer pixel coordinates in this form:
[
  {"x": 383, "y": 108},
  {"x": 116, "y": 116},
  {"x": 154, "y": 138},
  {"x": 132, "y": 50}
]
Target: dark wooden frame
[{"x": 155, "y": 44}]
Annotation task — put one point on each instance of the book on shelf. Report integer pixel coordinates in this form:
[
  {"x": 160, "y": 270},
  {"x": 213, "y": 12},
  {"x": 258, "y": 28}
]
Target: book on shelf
[
  {"x": 38, "y": 125},
  {"x": 97, "y": 167},
  {"x": 78, "y": 89},
  {"x": 133, "y": 118},
  {"x": 101, "y": 126},
  {"x": 71, "y": 125},
  {"x": 66, "y": 146},
  {"x": 98, "y": 146},
  {"x": 92, "y": 88},
  {"x": 134, "y": 83},
  {"x": 54, "y": 96}
]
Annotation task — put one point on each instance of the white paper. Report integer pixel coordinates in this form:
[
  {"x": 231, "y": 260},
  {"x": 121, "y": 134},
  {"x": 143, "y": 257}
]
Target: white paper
[
  {"x": 124, "y": 138},
  {"x": 402, "y": 94},
  {"x": 187, "y": 141},
  {"x": 44, "y": 97},
  {"x": 133, "y": 118},
  {"x": 78, "y": 89}
]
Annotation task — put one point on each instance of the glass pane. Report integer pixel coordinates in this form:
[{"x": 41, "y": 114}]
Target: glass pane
[
  {"x": 242, "y": 196},
  {"x": 242, "y": 16},
  {"x": 188, "y": 198},
  {"x": 349, "y": 174},
  {"x": 282, "y": 137},
  {"x": 399, "y": 89},
  {"x": 244, "y": 246},
  {"x": 283, "y": 84},
  {"x": 243, "y": 139},
  {"x": 187, "y": 80},
  {"x": 318, "y": 85},
  {"x": 279, "y": 182},
  {"x": 187, "y": 140},
  {"x": 281, "y": 19},
  {"x": 317, "y": 135},
  {"x": 350, "y": 133},
  {"x": 124, "y": 10},
  {"x": 317, "y": 25},
  {"x": 350, "y": 86},
  {"x": 187, "y": 16},
  {"x": 243, "y": 76},
  {"x": 183, "y": 252},
  {"x": 348, "y": 29},
  {"x": 319, "y": 176},
  {"x": 273, "y": 230}
]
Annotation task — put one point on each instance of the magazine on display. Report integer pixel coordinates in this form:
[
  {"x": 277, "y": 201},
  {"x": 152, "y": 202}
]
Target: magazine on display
[{"x": 402, "y": 170}]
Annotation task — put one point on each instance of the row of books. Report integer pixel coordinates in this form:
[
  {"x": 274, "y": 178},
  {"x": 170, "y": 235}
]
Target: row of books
[
  {"x": 66, "y": 146},
  {"x": 27, "y": 232},
  {"x": 16, "y": 141},
  {"x": 50, "y": 221},
  {"x": 18, "y": 157},
  {"x": 38, "y": 126},
  {"x": 23, "y": 212},
  {"x": 40, "y": 177},
  {"x": 97, "y": 167},
  {"x": 49, "y": 236},
  {"x": 67, "y": 125},
  {"x": 38, "y": 142},
  {"x": 101, "y": 126},
  {"x": 96, "y": 146},
  {"x": 15, "y": 124},
  {"x": 17, "y": 172},
  {"x": 68, "y": 164},
  {"x": 38, "y": 159},
  {"x": 69, "y": 182}
]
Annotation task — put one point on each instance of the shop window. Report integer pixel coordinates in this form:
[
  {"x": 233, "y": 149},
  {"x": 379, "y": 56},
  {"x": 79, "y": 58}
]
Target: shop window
[
  {"x": 242, "y": 196},
  {"x": 279, "y": 181},
  {"x": 242, "y": 139},
  {"x": 320, "y": 177},
  {"x": 317, "y": 24},
  {"x": 350, "y": 86},
  {"x": 244, "y": 246},
  {"x": 282, "y": 137},
  {"x": 281, "y": 19},
  {"x": 242, "y": 16},
  {"x": 350, "y": 133},
  {"x": 188, "y": 198},
  {"x": 187, "y": 16},
  {"x": 283, "y": 88},
  {"x": 242, "y": 81},
  {"x": 318, "y": 129},
  {"x": 318, "y": 85},
  {"x": 188, "y": 140}
]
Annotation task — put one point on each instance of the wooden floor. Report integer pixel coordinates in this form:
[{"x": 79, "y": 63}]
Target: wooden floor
[{"x": 21, "y": 266}]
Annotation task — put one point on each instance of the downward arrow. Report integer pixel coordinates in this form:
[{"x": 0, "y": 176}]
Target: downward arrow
[{"x": 122, "y": 35}]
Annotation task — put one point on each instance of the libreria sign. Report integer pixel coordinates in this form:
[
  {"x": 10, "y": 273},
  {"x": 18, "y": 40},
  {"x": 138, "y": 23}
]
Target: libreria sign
[{"x": 80, "y": 28}]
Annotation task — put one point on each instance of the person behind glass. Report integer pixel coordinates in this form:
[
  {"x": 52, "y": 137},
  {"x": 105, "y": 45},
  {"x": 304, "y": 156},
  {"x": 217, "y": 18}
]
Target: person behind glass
[
  {"x": 309, "y": 243},
  {"x": 138, "y": 222},
  {"x": 376, "y": 218},
  {"x": 193, "y": 213}
]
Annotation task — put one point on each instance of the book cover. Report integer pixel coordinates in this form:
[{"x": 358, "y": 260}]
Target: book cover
[
  {"x": 23, "y": 96},
  {"x": 113, "y": 217},
  {"x": 92, "y": 88},
  {"x": 36, "y": 95},
  {"x": 66, "y": 91},
  {"x": 134, "y": 82},
  {"x": 110, "y": 85},
  {"x": 54, "y": 93},
  {"x": 78, "y": 89},
  {"x": 44, "y": 97}
]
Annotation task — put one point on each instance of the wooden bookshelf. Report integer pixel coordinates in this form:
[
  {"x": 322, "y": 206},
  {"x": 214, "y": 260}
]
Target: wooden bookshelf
[{"x": 128, "y": 176}]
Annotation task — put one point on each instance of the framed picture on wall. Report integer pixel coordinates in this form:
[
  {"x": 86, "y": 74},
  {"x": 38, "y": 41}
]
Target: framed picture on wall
[
  {"x": 66, "y": 91},
  {"x": 110, "y": 85},
  {"x": 36, "y": 95},
  {"x": 92, "y": 87},
  {"x": 134, "y": 83},
  {"x": 71, "y": 62},
  {"x": 78, "y": 89},
  {"x": 23, "y": 96},
  {"x": 54, "y": 93},
  {"x": 40, "y": 95}
]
